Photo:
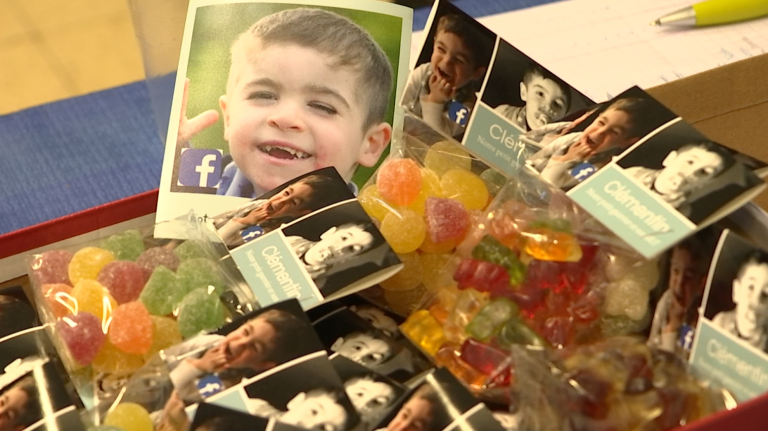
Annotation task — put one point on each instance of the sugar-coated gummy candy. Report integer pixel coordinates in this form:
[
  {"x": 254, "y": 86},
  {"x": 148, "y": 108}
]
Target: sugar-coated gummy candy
[
  {"x": 83, "y": 335},
  {"x": 437, "y": 247},
  {"x": 165, "y": 333},
  {"x": 200, "y": 310},
  {"x": 200, "y": 272},
  {"x": 646, "y": 274},
  {"x": 131, "y": 328},
  {"x": 399, "y": 181},
  {"x": 404, "y": 231},
  {"x": 93, "y": 298},
  {"x": 87, "y": 262},
  {"x": 190, "y": 249},
  {"x": 619, "y": 265},
  {"x": 59, "y": 298},
  {"x": 157, "y": 256},
  {"x": 430, "y": 188},
  {"x": 123, "y": 279},
  {"x": 162, "y": 293},
  {"x": 433, "y": 266},
  {"x": 493, "y": 180},
  {"x": 373, "y": 203},
  {"x": 111, "y": 360},
  {"x": 403, "y": 302},
  {"x": 444, "y": 156},
  {"x": 409, "y": 277},
  {"x": 626, "y": 297},
  {"x": 129, "y": 417},
  {"x": 51, "y": 267},
  {"x": 446, "y": 219},
  {"x": 465, "y": 187},
  {"x": 125, "y": 246}
]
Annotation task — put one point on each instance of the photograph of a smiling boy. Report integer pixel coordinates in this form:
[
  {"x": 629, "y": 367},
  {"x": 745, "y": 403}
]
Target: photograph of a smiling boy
[{"x": 306, "y": 88}]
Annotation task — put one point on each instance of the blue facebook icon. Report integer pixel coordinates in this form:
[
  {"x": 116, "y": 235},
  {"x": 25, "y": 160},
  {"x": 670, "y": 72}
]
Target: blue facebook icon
[
  {"x": 200, "y": 167},
  {"x": 458, "y": 113},
  {"x": 251, "y": 233},
  {"x": 582, "y": 171},
  {"x": 209, "y": 385}
]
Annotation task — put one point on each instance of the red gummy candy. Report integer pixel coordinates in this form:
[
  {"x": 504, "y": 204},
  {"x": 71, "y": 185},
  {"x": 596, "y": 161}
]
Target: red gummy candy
[
  {"x": 527, "y": 298},
  {"x": 52, "y": 267},
  {"x": 557, "y": 330},
  {"x": 487, "y": 359},
  {"x": 399, "y": 181},
  {"x": 83, "y": 335},
  {"x": 446, "y": 219},
  {"x": 124, "y": 279},
  {"x": 157, "y": 256},
  {"x": 482, "y": 276}
]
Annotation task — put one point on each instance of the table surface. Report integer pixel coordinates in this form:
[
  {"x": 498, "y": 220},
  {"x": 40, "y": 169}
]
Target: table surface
[{"x": 68, "y": 156}]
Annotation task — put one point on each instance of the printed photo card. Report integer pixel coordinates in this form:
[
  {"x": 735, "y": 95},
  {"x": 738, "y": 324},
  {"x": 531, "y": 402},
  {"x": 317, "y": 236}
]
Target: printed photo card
[
  {"x": 309, "y": 239},
  {"x": 440, "y": 402},
  {"x": 469, "y": 85},
  {"x": 268, "y": 90},
  {"x": 210, "y": 417},
  {"x": 731, "y": 341}
]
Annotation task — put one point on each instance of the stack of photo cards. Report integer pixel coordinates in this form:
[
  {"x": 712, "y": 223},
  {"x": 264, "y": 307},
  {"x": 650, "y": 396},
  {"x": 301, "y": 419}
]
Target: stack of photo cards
[
  {"x": 440, "y": 402},
  {"x": 269, "y": 90},
  {"x": 731, "y": 341},
  {"x": 210, "y": 417},
  {"x": 470, "y": 85},
  {"x": 308, "y": 239}
]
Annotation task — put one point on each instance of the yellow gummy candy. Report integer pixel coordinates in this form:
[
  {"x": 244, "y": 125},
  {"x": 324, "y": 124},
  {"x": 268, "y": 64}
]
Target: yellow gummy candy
[
  {"x": 445, "y": 156},
  {"x": 373, "y": 203},
  {"x": 92, "y": 297},
  {"x": 87, "y": 263},
  {"x": 165, "y": 333},
  {"x": 112, "y": 361},
  {"x": 434, "y": 271},
  {"x": 409, "y": 277},
  {"x": 465, "y": 187},
  {"x": 404, "y": 231},
  {"x": 403, "y": 302},
  {"x": 130, "y": 417},
  {"x": 430, "y": 187}
]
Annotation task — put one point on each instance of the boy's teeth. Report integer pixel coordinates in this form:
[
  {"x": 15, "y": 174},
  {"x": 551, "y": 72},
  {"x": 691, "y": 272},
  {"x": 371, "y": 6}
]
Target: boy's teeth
[{"x": 296, "y": 153}]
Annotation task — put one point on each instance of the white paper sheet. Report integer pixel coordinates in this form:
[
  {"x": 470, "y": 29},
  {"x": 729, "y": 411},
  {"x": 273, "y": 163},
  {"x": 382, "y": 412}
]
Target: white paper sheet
[{"x": 602, "y": 47}]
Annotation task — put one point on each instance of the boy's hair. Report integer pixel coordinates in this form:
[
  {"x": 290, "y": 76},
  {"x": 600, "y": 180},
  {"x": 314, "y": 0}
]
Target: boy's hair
[
  {"x": 469, "y": 35},
  {"x": 31, "y": 412},
  {"x": 338, "y": 396},
  {"x": 709, "y": 146},
  {"x": 289, "y": 329},
  {"x": 755, "y": 258},
  {"x": 344, "y": 42},
  {"x": 534, "y": 70},
  {"x": 323, "y": 192}
]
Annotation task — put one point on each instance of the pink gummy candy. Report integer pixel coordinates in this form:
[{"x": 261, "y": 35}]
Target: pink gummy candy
[
  {"x": 446, "y": 219},
  {"x": 157, "y": 256},
  {"x": 52, "y": 267},
  {"x": 124, "y": 279},
  {"x": 83, "y": 335}
]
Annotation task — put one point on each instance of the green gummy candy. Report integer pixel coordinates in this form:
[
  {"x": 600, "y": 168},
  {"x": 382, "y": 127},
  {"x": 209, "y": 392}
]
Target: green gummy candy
[
  {"x": 190, "y": 250},
  {"x": 200, "y": 311},
  {"x": 162, "y": 292},
  {"x": 491, "y": 250},
  {"x": 493, "y": 180},
  {"x": 200, "y": 272},
  {"x": 125, "y": 246}
]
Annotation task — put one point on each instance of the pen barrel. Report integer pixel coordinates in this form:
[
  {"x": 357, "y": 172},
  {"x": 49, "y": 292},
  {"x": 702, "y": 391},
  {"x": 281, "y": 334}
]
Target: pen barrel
[{"x": 713, "y": 12}]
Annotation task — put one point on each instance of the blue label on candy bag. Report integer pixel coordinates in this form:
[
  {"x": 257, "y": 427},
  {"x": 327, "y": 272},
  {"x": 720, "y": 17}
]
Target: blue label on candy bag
[{"x": 458, "y": 113}]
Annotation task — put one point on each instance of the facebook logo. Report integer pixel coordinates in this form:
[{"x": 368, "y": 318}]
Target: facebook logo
[
  {"x": 582, "y": 171},
  {"x": 458, "y": 113},
  {"x": 686, "y": 337},
  {"x": 251, "y": 233},
  {"x": 209, "y": 385},
  {"x": 200, "y": 167}
]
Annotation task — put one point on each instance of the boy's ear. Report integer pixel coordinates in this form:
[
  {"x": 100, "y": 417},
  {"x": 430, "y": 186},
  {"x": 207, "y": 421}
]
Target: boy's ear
[
  {"x": 670, "y": 158},
  {"x": 523, "y": 92},
  {"x": 337, "y": 344},
  {"x": 374, "y": 142},
  {"x": 296, "y": 401},
  {"x": 225, "y": 114}
]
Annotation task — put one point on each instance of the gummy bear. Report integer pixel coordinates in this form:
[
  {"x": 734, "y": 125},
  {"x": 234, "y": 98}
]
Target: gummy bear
[
  {"x": 487, "y": 359},
  {"x": 465, "y": 187},
  {"x": 373, "y": 203},
  {"x": 448, "y": 356},
  {"x": 129, "y": 417},
  {"x": 424, "y": 331},
  {"x": 439, "y": 312},
  {"x": 190, "y": 249},
  {"x": 488, "y": 321},
  {"x": 199, "y": 311},
  {"x": 507, "y": 222},
  {"x": 399, "y": 181},
  {"x": 433, "y": 266},
  {"x": 199, "y": 272},
  {"x": 59, "y": 298},
  {"x": 482, "y": 276},
  {"x": 157, "y": 256},
  {"x": 93, "y": 298},
  {"x": 87, "y": 262},
  {"x": 403, "y": 302},
  {"x": 444, "y": 156},
  {"x": 51, "y": 267},
  {"x": 491, "y": 250},
  {"x": 407, "y": 278},
  {"x": 124, "y": 280},
  {"x": 125, "y": 246},
  {"x": 468, "y": 303},
  {"x": 113, "y": 361},
  {"x": 529, "y": 299},
  {"x": 548, "y": 244},
  {"x": 447, "y": 219},
  {"x": 162, "y": 293},
  {"x": 517, "y": 332},
  {"x": 131, "y": 328},
  {"x": 404, "y": 231},
  {"x": 83, "y": 335},
  {"x": 165, "y": 333}
]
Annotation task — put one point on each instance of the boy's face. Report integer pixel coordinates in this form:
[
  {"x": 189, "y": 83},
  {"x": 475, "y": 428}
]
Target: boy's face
[
  {"x": 290, "y": 201},
  {"x": 12, "y": 404},
  {"x": 338, "y": 244},
  {"x": 453, "y": 61},
  {"x": 378, "y": 319},
  {"x": 415, "y": 415},
  {"x": 315, "y": 412},
  {"x": 750, "y": 293},
  {"x": 687, "y": 170},
  {"x": 246, "y": 346},
  {"x": 365, "y": 350},
  {"x": 369, "y": 396},
  {"x": 609, "y": 130},
  {"x": 544, "y": 101},
  {"x": 679, "y": 270},
  {"x": 291, "y": 112}
]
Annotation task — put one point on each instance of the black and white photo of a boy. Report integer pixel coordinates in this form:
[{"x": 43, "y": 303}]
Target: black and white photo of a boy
[
  {"x": 377, "y": 317},
  {"x": 318, "y": 409},
  {"x": 748, "y": 320},
  {"x": 370, "y": 395},
  {"x": 423, "y": 411},
  {"x": 367, "y": 348},
  {"x": 546, "y": 98}
]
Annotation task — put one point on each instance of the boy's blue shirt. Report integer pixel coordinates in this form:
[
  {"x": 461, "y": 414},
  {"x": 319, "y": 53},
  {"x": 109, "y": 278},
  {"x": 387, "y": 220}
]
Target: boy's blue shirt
[{"x": 234, "y": 183}]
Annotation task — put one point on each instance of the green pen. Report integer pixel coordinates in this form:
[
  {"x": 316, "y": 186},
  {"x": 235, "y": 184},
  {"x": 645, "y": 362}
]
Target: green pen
[{"x": 714, "y": 12}]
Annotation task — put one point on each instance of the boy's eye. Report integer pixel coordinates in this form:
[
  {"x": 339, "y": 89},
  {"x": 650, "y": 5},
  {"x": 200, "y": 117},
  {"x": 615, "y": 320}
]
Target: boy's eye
[
  {"x": 328, "y": 109},
  {"x": 262, "y": 95}
]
